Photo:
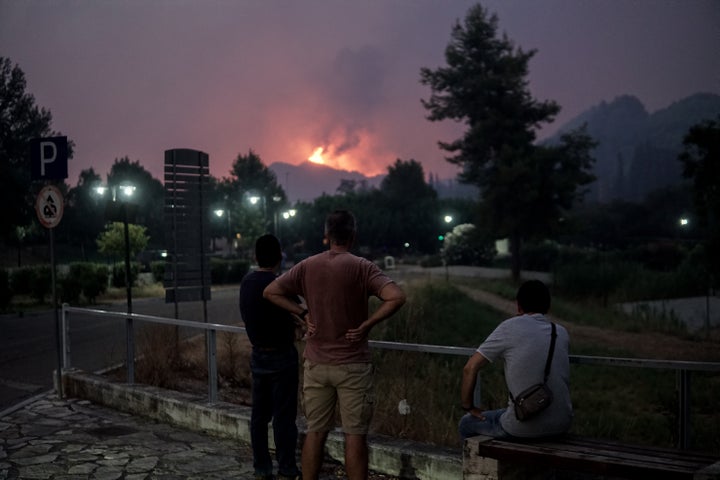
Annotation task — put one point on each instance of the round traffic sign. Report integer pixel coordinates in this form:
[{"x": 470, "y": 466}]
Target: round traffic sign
[{"x": 49, "y": 206}]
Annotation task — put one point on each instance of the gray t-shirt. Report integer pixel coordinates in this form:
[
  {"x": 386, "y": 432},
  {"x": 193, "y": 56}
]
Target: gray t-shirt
[{"x": 523, "y": 343}]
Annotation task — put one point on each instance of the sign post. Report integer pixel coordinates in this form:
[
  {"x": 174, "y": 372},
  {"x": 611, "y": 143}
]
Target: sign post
[
  {"x": 49, "y": 207},
  {"x": 48, "y": 161}
]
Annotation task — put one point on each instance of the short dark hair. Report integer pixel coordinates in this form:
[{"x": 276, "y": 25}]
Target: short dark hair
[
  {"x": 533, "y": 297},
  {"x": 268, "y": 252},
  {"x": 340, "y": 227}
]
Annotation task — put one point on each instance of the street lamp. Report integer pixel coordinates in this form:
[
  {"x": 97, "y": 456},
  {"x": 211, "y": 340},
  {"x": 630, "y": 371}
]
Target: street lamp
[
  {"x": 448, "y": 218},
  {"x": 125, "y": 192},
  {"x": 219, "y": 212}
]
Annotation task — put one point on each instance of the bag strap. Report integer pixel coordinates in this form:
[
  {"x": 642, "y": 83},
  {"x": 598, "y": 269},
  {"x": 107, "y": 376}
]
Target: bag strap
[{"x": 548, "y": 362}]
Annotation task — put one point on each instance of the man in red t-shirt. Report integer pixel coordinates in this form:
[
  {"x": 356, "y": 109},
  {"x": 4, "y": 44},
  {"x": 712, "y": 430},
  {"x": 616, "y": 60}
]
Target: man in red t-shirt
[{"x": 336, "y": 286}]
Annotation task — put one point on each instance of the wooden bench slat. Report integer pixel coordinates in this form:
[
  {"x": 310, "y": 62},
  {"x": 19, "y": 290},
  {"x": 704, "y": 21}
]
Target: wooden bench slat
[
  {"x": 597, "y": 456},
  {"x": 631, "y": 452}
]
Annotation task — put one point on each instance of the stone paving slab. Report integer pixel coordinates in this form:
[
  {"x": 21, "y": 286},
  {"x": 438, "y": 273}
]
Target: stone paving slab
[
  {"x": 58, "y": 439},
  {"x": 67, "y": 439}
]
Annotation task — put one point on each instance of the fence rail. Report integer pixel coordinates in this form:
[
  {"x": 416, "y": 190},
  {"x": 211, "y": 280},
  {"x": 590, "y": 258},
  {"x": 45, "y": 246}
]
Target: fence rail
[{"x": 683, "y": 368}]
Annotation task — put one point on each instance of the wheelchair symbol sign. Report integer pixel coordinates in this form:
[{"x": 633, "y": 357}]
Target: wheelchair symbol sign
[{"x": 49, "y": 206}]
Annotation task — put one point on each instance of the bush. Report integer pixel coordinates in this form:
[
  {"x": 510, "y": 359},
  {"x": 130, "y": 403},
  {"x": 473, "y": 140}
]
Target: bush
[
  {"x": 598, "y": 279},
  {"x": 540, "y": 257},
  {"x": 41, "y": 285},
  {"x": 21, "y": 280},
  {"x": 6, "y": 293},
  {"x": 662, "y": 257},
  {"x": 70, "y": 288},
  {"x": 118, "y": 274},
  {"x": 227, "y": 271},
  {"x": 157, "y": 268},
  {"x": 467, "y": 245},
  {"x": 92, "y": 279},
  {"x": 431, "y": 261}
]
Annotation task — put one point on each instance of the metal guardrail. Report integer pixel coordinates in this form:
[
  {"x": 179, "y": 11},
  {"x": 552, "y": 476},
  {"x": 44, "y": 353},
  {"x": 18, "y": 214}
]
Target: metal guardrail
[{"x": 683, "y": 368}]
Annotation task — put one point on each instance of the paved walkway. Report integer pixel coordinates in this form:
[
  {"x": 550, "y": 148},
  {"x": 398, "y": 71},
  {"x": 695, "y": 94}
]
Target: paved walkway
[
  {"x": 57, "y": 439},
  {"x": 68, "y": 439}
]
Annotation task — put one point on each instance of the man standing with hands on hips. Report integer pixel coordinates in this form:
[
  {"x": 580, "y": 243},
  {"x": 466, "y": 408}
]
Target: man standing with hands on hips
[{"x": 336, "y": 286}]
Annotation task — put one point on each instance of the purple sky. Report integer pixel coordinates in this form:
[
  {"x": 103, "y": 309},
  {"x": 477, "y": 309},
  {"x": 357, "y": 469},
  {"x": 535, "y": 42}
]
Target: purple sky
[{"x": 134, "y": 78}]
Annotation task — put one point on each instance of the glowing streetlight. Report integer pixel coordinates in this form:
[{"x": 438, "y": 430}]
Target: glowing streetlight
[
  {"x": 448, "y": 218},
  {"x": 126, "y": 191}
]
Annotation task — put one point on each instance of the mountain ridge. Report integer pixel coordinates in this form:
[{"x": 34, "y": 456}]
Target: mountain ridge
[{"x": 637, "y": 152}]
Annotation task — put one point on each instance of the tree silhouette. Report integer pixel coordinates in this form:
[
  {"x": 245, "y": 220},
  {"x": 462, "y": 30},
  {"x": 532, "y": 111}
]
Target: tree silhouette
[
  {"x": 485, "y": 86},
  {"x": 701, "y": 163},
  {"x": 20, "y": 121}
]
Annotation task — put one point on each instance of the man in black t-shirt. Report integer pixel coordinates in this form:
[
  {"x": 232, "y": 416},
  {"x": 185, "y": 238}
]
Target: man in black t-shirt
[{"x": 274, "y": 366}]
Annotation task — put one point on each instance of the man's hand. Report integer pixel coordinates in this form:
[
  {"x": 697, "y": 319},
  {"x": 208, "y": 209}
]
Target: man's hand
[
  {"x": 356, "y": 334},
  {"x": 476, "y": 412},
  {"x": 311, "y": 326}
]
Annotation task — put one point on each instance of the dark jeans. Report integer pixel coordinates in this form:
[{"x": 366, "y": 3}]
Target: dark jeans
[{"x": 274, "y": 397}]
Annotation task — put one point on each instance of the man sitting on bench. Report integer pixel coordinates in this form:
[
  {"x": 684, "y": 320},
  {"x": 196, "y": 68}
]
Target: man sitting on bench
[{"x": 525, "y": 343}]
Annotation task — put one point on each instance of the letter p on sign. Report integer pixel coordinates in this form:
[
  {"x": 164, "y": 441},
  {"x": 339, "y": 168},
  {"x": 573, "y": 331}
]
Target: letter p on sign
[{"x": 48, "y": 158}]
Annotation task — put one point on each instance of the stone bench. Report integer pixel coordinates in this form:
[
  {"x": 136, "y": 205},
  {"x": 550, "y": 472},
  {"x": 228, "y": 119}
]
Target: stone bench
[{"x": 486, "y": 458}]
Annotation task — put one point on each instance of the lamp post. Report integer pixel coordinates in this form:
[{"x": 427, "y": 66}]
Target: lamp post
[
  {"x": 125, "y": 191},
  {"x": 255, "y": 198},
  {"x": 286, "y": 215},
  {"x": 220, "y": 213}
]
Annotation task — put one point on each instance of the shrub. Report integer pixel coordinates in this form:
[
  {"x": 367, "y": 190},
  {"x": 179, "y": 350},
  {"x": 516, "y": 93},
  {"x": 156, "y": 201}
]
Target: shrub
[
  {"x": 6, "y": 293},
  {"x": 540, "y": 257},
  {"x": 598, "y": 279},
  {"x": 21, "y": 280},
  {"x": 662, "y": 257},
  {"x": 96, "y": 283},
  {"x": 91, "y": 277},
  {"x": 41, "y": 285},
  {"x": 118, "y": 274},
  {"x": 157, "y": 268},
  {"x": 70, "y": 288},
  {"x": 431, "y": 261},
  {"x": 467, "y": 245},
  {"x": 227, "y": 271}
]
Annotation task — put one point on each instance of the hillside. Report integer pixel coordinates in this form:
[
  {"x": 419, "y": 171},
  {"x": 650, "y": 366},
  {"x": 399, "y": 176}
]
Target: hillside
[
  {"x": 307, "y": 181},
  {"x": 638, "y": 151}
]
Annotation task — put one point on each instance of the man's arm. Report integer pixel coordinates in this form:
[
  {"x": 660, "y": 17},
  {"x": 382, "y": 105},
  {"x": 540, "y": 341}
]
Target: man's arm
[
  {"x": 393, "y": 298},
  {"x": 469, "y": 377},
  {"x": 275, "y": 294}
]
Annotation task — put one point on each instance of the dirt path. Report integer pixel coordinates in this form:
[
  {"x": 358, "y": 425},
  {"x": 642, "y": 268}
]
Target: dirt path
[{"x": 642, "y": 345}]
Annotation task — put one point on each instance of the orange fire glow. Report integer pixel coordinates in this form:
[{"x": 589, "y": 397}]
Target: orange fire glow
[{"x": 316, "y": 156}]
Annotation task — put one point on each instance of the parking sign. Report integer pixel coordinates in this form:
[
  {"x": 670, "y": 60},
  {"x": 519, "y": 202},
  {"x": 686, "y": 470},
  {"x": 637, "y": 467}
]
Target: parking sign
[{"x": 48, "y": 158}]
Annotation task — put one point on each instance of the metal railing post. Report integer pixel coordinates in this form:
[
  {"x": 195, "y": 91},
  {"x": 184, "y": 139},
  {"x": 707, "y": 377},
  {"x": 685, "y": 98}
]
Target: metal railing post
[
  {"x": 212, "y": 365},
  {"x": 65, "y": 336},
  {"x": 684, "y": 409},
  {"x": 130, "y": 346}
]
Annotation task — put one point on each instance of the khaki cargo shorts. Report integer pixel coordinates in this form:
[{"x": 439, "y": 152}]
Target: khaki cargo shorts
[{"x": 350, "y": 386}]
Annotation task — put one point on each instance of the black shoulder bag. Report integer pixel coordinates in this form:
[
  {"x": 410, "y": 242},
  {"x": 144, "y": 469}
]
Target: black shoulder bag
[{"x": 537, "y": 398}]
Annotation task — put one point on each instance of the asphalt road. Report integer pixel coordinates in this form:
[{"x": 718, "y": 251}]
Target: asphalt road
[{"x": 29, "y": 351}]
